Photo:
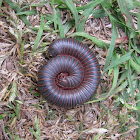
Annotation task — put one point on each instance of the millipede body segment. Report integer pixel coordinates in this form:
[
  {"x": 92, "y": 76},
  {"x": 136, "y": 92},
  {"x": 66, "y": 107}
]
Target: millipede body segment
[{"x": 71, "y": 76}]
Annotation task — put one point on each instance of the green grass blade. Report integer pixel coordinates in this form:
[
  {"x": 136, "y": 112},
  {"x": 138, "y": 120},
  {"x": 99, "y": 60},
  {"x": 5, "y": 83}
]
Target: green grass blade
[
  {"x": 127, "y": 105},
  {"x": 123, "y": 7},
  {"x": 61, "y": 28},
  {"x": 86, "y": 14},
  {"x": 111, "y": 47},
  {"x": 18, "y": 111},
  {"x": 59, "y": 2},
  {"x": 114, "y": 20},
  {"x": 15, "y": 7},
  {"x": 124, "y": 84},
  {"x": 68, "y": 25},
  {"x": 41, "y": 3},
  {"x": 54, "y": 16},
  {"x": 136, "y": 3},
  {"x": 98, "y": 42},
  {"x": 138, "y": 114},
  {"x": 1, "y": 2},
  {"x": 120, "y": 88},
  {"x": 130, "y": 81},
  {"x": 106, "y": 4},
  {"x": 73, "y": 9},
  {"x": 13, "y": 92},
  {"x": 131, "y": 4},
  {"x": 38, "y": 130},
  {"x": 136, "y": 59},
  {"x": 121, "y": 60},
  {"x": 51, "y": 18},
  {"x": 39, "y": 34},
  {"x": 99, "y": 13},
  {"x": 137, "y": 50},
  {"x": 116, "y": 73},
  {"x": 21, "y": 58},
  {"x": 135, "y": 66},
  {"x": 22, "y": 53},
  {"x": 139, "y": 21},
  {"x": 90, "y": 4},
  {"x": 24, "y": 19},
  {"x": 123, "y": 77},
  {"x": 56, "y": 19},
  {"x": 3, "y": 115},
  {"x": 32, "y": 12},
  {"x": 113, "y": 90},
  {"x": 34, "y": 133}
]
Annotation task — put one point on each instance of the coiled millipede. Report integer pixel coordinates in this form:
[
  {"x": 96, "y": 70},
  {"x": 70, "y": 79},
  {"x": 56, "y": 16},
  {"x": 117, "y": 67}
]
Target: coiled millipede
[{"x": 71, "y": 76}]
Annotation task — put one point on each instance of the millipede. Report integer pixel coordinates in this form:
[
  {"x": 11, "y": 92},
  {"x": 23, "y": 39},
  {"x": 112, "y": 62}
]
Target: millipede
[{"x": 72, "y": 74}]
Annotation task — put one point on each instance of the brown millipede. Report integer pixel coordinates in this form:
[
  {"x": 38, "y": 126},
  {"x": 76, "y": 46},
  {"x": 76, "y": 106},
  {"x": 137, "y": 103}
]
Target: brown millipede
[{"x": 72, "y": 76}]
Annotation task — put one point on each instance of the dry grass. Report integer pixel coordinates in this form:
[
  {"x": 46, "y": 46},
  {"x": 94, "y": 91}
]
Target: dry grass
[{"x": 24, "y": 114}]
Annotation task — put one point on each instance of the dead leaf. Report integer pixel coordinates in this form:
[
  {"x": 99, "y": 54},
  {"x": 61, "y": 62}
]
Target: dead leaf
[{"x": 96, "y": 130}]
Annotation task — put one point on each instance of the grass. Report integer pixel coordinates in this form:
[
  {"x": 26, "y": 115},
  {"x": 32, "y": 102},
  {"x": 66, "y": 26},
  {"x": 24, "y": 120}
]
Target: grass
[{"x": 112, "y": 30}]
